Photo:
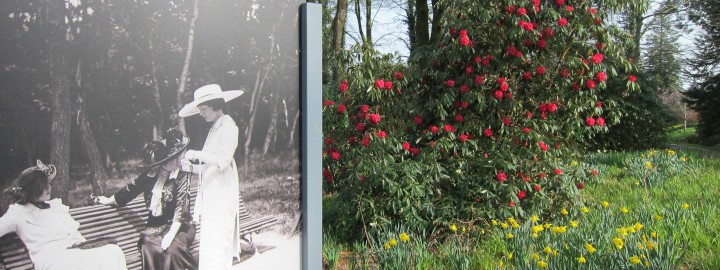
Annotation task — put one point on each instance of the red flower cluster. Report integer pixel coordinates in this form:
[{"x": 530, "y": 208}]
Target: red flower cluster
[
  {"x": 521, "y": 194},
  {"x": 562, "y": 22},
  {"x": 601, "y": 76},
  {"x": 343, "y": 86},
  {"x": 450, "y": 83},
  {"x": 374, "y": 118},
  {"x": 592, "y": 121},
  {"x": 406, "y": 146},
  {"x": 631, "y": 78},
  {"x": 501, "y": 176},
  {"x": 464, "y": 40},
  {"x": 341, "y": 109},
  {"x": 381, "y": 134},
  {"x": 487, "y": 132},
  {"x": 597, "y": 58},
  {"x": 463, "y": 138},
  {"x": 543, "y": 146}
]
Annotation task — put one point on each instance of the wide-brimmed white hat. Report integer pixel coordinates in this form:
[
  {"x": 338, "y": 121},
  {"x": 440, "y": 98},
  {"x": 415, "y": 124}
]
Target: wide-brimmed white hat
[{"x": 205, "y": 93}]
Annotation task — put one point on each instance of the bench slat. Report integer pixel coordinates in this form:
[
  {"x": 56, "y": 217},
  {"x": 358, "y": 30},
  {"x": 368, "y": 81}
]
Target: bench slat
[{"x": 124, "y": 224}]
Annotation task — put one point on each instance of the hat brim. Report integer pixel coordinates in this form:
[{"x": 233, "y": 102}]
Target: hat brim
[
  {"x": 191, "y": 108},
  {"x": 169, "y": 157}
]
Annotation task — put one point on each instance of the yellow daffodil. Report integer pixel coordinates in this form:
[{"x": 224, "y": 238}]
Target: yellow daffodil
[
  {"x": 590, "y": 248},
  {"x": 638, "y": 226},
  {"x": 515, "y": 225},
  {"x": 653, "y": 234},
  {"x": 574, "y": 163},
  {"x": 685, "y": 206},
  {"x": 622, "y": 232},
  {"x": 509, "y": 256},
  {"x": 504, "y": 225},
  {"x": 624, "y": 210},
  {"x": 585, "y": 210},
  {"x": 605, "y": 204},
  {"x": 386, "y": 245},
  {"x": 564, "y": 212},
  {"x": 559, "y": 229},
  {"x": 535, "y": 256},
  {"x": 650, "y": 245},
  {"x": 582, "y": 260},
  {"x": 534, "y": 235},
  {"x": 573, "y": 223},
  {"x": 453, "y": 228},
  {"x": 547, "y": 225},
  {"x": 512, "y": 220},
  {"x": 534, "y": 219},
  {"x": 647, "y": 264},
  {"x": 404, "y": 237},
  {"x": 494, "y": 222},
  {"x": 393, "y": 242},
  {"x": 618, "y": 243},
  {"x": 537, "y": 228},
  {"x": 648, "y": 165},
  {"x": 501, "y": 263},
  {"x": 658, "y": 217},
  {"x": 671, "y": 152},
  {"x": 509, "y": 235},
  {"x": 637, "y": 183},
  {"x": 548, "y": 250},
  {"x": 683, "y": 159},
  {"x": 555, "y": 253},
  {"x": 542, "y": 264},
  {"x": 634, "y": 260}
]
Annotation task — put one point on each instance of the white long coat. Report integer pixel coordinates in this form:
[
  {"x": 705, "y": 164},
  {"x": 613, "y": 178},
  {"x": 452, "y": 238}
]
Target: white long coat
[{"x": 218, "y": 194}]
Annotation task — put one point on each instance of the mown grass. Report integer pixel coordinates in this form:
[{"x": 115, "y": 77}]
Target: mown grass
[{"x": 681, "y": 211}]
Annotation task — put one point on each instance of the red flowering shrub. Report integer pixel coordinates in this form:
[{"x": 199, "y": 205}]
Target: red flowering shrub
[{"x": 480, "y": 150}]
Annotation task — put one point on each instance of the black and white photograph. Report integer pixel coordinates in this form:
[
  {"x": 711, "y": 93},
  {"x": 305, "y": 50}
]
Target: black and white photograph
[{"x": 150, "y": 134}]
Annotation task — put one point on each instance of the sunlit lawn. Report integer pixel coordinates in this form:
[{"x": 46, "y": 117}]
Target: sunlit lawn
[{"x": 680, "y": 211}]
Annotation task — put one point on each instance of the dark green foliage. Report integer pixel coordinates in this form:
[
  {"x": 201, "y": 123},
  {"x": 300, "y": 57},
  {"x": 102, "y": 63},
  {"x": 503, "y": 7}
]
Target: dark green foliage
[{"x": 705, "y": 99}]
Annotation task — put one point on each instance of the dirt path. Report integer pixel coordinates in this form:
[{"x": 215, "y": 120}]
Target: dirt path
[{"x": 702, "y": 152}]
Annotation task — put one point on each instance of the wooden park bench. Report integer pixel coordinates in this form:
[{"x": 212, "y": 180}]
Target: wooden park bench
[{"x": 124, "y": 224}]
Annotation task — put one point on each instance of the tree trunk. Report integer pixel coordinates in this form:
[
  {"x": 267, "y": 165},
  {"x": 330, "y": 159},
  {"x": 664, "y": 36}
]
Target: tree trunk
[
  {"x": 438, "y": 10},
  {"x": 291, "y": 141},
  {"x": 410, "y": 13},
  {"x": 159, "y": 126},
  {"x": 338, "y": 31},
  {"x": 98, "y": 175},
  {"x": 271, "y": 127},
  {"x": 422, "y": 27},
  {"x": 368, "y": 24},
  {"x": 60, "y": 92},
  {"x": 358, "y": 16},
  {"x": 186, "y": 64}
]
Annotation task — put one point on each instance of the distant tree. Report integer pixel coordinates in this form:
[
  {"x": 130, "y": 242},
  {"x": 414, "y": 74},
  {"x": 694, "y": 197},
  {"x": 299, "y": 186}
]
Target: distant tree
[
  {"x": 662, "y": 59},
  {"x": 704, "y": 95}
]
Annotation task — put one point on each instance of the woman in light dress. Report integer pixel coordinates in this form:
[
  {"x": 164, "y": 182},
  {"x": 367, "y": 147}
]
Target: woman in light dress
[
  {"x": 216, "y": 206},
  {"x": 47, "y": 229}
]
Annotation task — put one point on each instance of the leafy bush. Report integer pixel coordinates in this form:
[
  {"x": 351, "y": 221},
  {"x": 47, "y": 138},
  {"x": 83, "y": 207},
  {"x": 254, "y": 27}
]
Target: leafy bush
[{"x": 476, "y": 127}]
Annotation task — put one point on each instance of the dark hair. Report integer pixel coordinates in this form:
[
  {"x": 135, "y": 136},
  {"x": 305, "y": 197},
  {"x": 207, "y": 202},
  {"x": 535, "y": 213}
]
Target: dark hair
[
  {"x": 31, "y": 184},
  {"x": 216, "y": 104}
]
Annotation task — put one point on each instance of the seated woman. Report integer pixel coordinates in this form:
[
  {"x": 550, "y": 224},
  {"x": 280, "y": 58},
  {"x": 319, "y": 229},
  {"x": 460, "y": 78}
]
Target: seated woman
[
  {"x": 165, "y": 244},
  {"x": 47, "y": 229}
]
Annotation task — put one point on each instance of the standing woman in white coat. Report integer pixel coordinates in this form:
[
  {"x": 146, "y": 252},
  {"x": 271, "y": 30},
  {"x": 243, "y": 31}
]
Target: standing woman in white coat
[{"x": 216, "y": 206}]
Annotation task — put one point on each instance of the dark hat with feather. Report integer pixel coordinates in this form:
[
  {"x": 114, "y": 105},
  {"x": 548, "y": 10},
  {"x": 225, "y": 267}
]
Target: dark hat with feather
[{"x": 158, "y": 152}]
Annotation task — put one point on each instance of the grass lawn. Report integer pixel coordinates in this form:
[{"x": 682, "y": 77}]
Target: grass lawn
[
  {"x": 701, "y": 192},
  {"x": 665, "y": 219},
  {"x": 679, "y": 135}
]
